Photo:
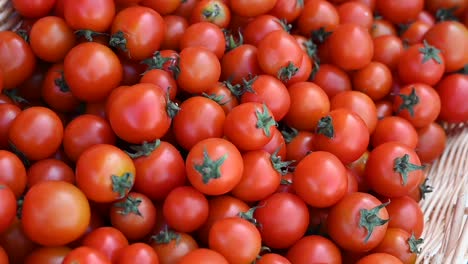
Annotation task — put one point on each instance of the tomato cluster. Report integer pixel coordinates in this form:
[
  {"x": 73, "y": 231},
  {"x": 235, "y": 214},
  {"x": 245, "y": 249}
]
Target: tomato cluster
[{"x": 217, "y": 131}]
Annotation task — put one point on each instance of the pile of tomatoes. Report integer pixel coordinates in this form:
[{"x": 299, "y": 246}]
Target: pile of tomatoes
[{"x": 225, "y": 131}]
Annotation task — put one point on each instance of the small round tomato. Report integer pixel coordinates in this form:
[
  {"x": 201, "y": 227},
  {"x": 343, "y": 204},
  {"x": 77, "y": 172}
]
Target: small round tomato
[
  {"x": 375, "y": 80},
  {"x": 298, "y": 145},
  {"x": 342, "y": 133},
  {"x": 203, "y": 255},
  {"x": 161, "y": 79},
  {"x": 221, "y": 94},
  {"x": 89, "y": 14},
  {"x": 421, "y": 63},
  {"x": 185, "y": 209},
  {"x": 383, "y": 258},
  {"x": 415, "y": 32},
  {"x": 108, "y": 240},
  {"x": 276, "y": 145},
  {"x": 171, "y": 246},
  {"x": 431, "y": 142},
  {"x": 395, "y": 128},
  {"x": 418, "y": 103},
  {"x": 8, "y": 113},
  {"x": 400, "y": 244},
  {"x": 358, "y": 222},
  {"x": 163, "y": 7},
  {"x": 204, "y": 34},
  {"x": 85, "y": 254},
  {"x": 85, "y": 131},
  {"x": 272, "y": 258},
  {"x": 198, "y": 118},
  {"x": 55, "y": 91},
  {"x": 320, "y": 179},
  {"x": 287, "y": 10},
  {"x": 48, "y": 255},
  {"x": 316, "y": 15},
  {"x": 359, "y": 103},
  {"x": 248, "y": 126},
  {"x": 214, "y": 166},
  {"x": 13, "y": 172},
  {"x": 237, "y": 239},
  {"x": 92, "y": 71},
  {"x": 260, "y": 26},
  {"x": 34, "y": 9},
  {"x": 314, "y": 249},
  {"x": 252, "y": 8},
  {"x": 137, "y": 253},
  {"x": 36, "y": 132},
  {"x": 405, "y": 213},
  {"x": 388, "y": 50},
  {"x": 452, "y": 91},
  {"x": 279, "y": 54},
  {"x": 382, "y": 27},
  {"x": 17, "y": 59},
  {"x": 50, "y": 170},
  {"x": 199, "y": 69},
  {"x": 104, "y": 173},
  {"x": 175, "y": 28},
  {"x": 159, "y": 169},
  {"x": 270, "y": 91},
  {"x": 213, "y": 11},
  {"x": 400, "y": 11},
  {"x": 134, "y": 216},
  {"x": 283, "y": 219},
  {"x": 137, "y": 31},
  {"x": 43, "y": 202},
  {"x": 351, "y": 46},
  {"x": 393, "y": 169},
  {"x": 332, "y": 80},
  {"x": 239, "y": 63},
  {"x": 355, "y": 12},
  {"x": 8, "y": 207}
]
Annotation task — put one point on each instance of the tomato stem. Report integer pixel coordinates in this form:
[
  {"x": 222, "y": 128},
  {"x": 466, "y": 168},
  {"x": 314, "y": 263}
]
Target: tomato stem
[
  {"x": 403, "y": 166},
  {"x": 217, "y": 98},
  {"x": 172, "y": 108},
  {"x": 20, "y": 154},
  {"x": 265, "y": 121},
  {"x": 289, "y": 133},
  {"x": 129, "y": 205},
  {"x": 430, "y": 53},
  {"x": 249, "y": 215},
  {"x": 23, "y": 34},
  {"x": 118, "y": 40},
  {"x": 231, "y": 42},
  {"x": 446, "y": 14},
  {"x": 285, "y": 25},
  {"x": 210, "y": 169},
  {"x": 144, "y": 149},
  {"x": 286, "y": 73},
  {"x": 464, "y": 70},
  {"x": 166, "y": 236},
  {"x": 409, "y": 102},
  {"x": 89, "y": 34},
  {"x": 13, "y": 95},
  {"x": 425, "y": 188},
  {"x": 320, "y": 35},
  {"x": 122, "y": 184},
  {"x": 325, "y": 127},
  {"x": 370, "y": 219},
  {"x": 61, "y": 83},
  {"x": 211, "y": 12},
  {"x": 19, "y": 207},
  {"x": 278, "y": 164},
  {"x": 414, "y": 244}
]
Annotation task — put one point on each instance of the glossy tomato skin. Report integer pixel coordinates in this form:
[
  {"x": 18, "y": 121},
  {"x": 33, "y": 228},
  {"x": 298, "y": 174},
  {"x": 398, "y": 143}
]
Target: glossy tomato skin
[
  {"x": 49, "y": 255},
  {"x": 8, "y": 207},
  {"x": 17, "y": 59},
  {"x": 314, "y": 249},
  {"x": 317, "y": 14},
  {"x": 203, "y": 255},
  {"x": 405, "y": 213},
  {"x": 344, "y": 222},
  {"x": 332, "y": 80},
  {"x": 383, "y": 258},
  {"x": 259, "y": 27},
  {"x": 108, "y": 240},
  {"x": 213, "y": 11},
  {"x": 277, "y": 144},
  {"x": 204, "y": 34},
  {"x": 432, "y": 140},
  {"x": 41, "y": 205},
  {"x": 198, "y": 118},
  {"x": 175, "y": 27},
  {"x": 320, "y": 179},
  {"x": 160, "y": 171},
  {"x": 85, "y": 254},
  {"x": 359, "y": 103},
  {"x": 238, "y": 63},
  {"x": 388, "y": 172},
  {"x": 104, "y": 173},
  {"x": 163, "y": 79},
  {"x": 50, "y": 170},
  {"x": 397, "y": 243},
  {"x": 214, "y": 166},
  {"x": 284, "y": 218},
  {"x": 92, "y": 71},
  {"x": 171, "y": 246},
  {"x": 138, "y": 113},
  {"x": 252, "y": 8},
  {"x": 55, "y": 91},
  {"x": 400, "y": 11},
  {"x": 89, "y": 14},
  {"x": 85, "y": 131},
  {"x": 164, "y": 7},
  {"x": 34, "y": 9},
  {"x": 375, "y": 80},
  {"x": 355, "y": 12},
  {"x": 137, "y": 253},
  {"x": 452, "y": 90},
  {"x": 237, "y": 239},
  {"x": 37, "y": 132},
  {"x": 288, "y": 10},
  {"x": 395, "y": 128},
  {"x": 388, "y": 50},
  {"x": 8, "y": 113},
  {"x": 14, "y": 172},
  {"x": 349, "y": 138}
]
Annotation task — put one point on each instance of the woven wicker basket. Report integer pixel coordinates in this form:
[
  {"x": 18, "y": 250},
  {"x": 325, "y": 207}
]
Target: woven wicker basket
[{"x": 445, "y": 210}]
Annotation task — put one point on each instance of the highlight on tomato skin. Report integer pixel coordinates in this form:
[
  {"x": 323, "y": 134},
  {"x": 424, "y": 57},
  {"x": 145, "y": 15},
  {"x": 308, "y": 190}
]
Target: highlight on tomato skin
[{"x": 225, "y": 131}]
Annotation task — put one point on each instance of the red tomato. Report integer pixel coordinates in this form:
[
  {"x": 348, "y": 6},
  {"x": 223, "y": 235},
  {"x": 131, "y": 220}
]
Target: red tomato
[
  {"x": 355, "y": 12},
  {"x": 249, "y": 126},
  {"x": 382, "y": 27},
  {"x": 351, "y": 46},
  {"x": 213, "y": 11},
  {"x": 175, "y": 28},
  {"x": 272, "y": 258},
  {"x": 14, "y": 172},
  {"x": 316, "y": 15},
  {"x": 314, "y": 249},
  {"x": 92, "y": 71},
  {"x": 16, "y": 242},
  {"x": 85, "y": 255},
  {"x": 206, "y": 35},
  {"x": 260, "y": 26},
  {"x": 55, "y": 91},
  {"x": 203, "y": 255},
  {"x": 163, "y": 7},
  {"x": 383, "y": 258},
  {"x": 159, "y": 169},
  {"x": 137, "y": 253},
  {"x": 415, "y": 32},
  {"x": 332, "y": 80},
  {"x": 342, "y": 133},
  {"x": 299, "y": 145},
  {"x": 171, "y": 246},
  {"x": 395, "y": 128},
  {"x": 434, "y": 5},
  {"x": 320, "y": 179},
  {"x": 43, "y": 202},
  {"x": 199, "y": 69},
  {"x": 452, "y": 91},
  {"x": 287, "y": 10},
  {"x": 8, "y": 207},
  {"x": 8, "y": 113},
  {"x": 33, "y": 9},
  {"x": 375, "y": 80},
  {"x": 358, "y": 222},
  {"x": 388, "y": 50},
  {"x": 418, "y": 103},
  {"x": 108, "y": 240},
  {"x": 283, "y": 219},
  {"x": 252, "y": 8},
  {"x": 359, "y": 103},
  {"x": 134, "y": 216},
  {"x": 431, "y": 142},
  {"x": 163, "y": 80},
  {"x": 304, "y": 71},
  {"x": 89, "y": 14},
  {"x": 48, "y": 255},
  {"x": 104, "y": 173},
  {"x": 185, "y": 209},
  {"x": 400, "y": 11},
  {"x": 50, "y": 170},
  {"x": 137, "y": 31},
  {"x": 237, "y": 239},
  {"x": 214, "y": 166},
  {"x": 17, "y": 59},
  {"x": 276, "y": 145},
  {"x": 185, "y": 8},
  {"x": 237, "y": 64},
  {"x": 400, "y": 244},
  {"x": 393, "y": 169},
  {"x": 405, "y": 213}
]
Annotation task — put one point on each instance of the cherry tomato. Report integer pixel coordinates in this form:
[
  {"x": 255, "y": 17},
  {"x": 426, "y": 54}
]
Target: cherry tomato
[
  {"x": 8, "y": 207},
  {"x": 415, "y": 32},
  {"x": 276, "y": 145},
  {"x": 175, "y": 28},
  {"x": 172, "y": 246},
  {"x": 452, "y": 90},
  {"x": 383, "y": 258},
  {"x": 213, "y": 11},
  {"x": 8, "y": 113},
  {"x": 332, "y": 80},
  {"x": 388, "y": 50},
  {"x": 431, "y": 142},
  {"x": 107, "y": 240},
  {"x": 137, "y": 253},
  {"x": 50, "y": 170},
  {"x": 48, "y": 255},
  {"x": 89, "y": 14},
  {"x": 163, "y": 80},
  {"x": 86, "y": 255},
  {"x": 405, "y": 213},
  {"x": 33, "y": 9},
  {"x": 203, "y": 255},
  {"x": 163, "y": 7},
  {"x": 395, "y": 128},
  {"x": 314, "y": 249},
  {"x": 237, "y": 64},
  {"x": 260, "y": 26},
  {"x": 359, "y": 103},
  {"x": 382, "y": 27},
  {"x": 375, "y": 80},
  {"x": 316, "y": 15},
  {"x": 204, "y": 34},
  {"x": 287, "y": 10},
  {"x": 400, "y": 11},
  {"x": 355, "y": 12},
  {"x": 252, "y": 8},
  {"x": 400, "y": 244}
]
